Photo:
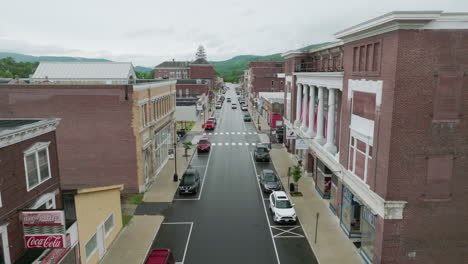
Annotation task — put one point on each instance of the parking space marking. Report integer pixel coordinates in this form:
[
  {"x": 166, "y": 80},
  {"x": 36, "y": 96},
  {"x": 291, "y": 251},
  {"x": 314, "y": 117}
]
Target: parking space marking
[
  {"x": 264, "y": 208},
  {"x": 287, "y": 231},
  {"x": 202, "y": 184},
  {"x": 188, "y": 238}
]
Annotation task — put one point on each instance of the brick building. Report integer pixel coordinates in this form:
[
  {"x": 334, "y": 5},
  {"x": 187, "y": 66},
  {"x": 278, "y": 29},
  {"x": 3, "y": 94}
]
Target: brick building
[
  {"x": 193, "y": 78},
  {"x": 262, "y": 77},
  {"x": 29, "y": 180},
  {"x": 385, "y": 110},
  {"x": 110, "y": 134}
]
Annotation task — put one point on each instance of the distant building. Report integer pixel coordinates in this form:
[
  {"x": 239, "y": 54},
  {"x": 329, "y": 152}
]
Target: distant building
[
  {"x": 198, "y": 76},
  {"x": 385, "y": 111},
  {"x": 110, "y": 134},
  {"x": 271, "y": 106},
  {"x": 84, "y": 73},
  {"x": 262, "y": 77}
]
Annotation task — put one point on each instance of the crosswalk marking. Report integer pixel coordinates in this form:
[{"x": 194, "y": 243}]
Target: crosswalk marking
[
  {"x": 210, "y": 134},
  {"x": 226, "y": 143},
  {"x": 243, "y": 133},
  {"x": 204, "y": 134},
  {"x": 240, "y": 143},
  {"x": 249, "y": 133},
  {"x": 213, "y": 144},
  {"x": 220, "y": 144},
  {"x": 221, "y": 133},
  {"x": 246, "y": 143},
  {"x": 233, "y": 143},
  {"x": 253, "y": 144},
  {"x": 215, "y": 133},
  {"x": 238, "y": 133}
]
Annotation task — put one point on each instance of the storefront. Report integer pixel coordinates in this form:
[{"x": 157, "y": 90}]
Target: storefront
[
  {"x": 350, "y": 220},
  {"x": 323, "y": 179},
  {"x": 367, "y": 234},
  {"x": 334, "y": 198},
  {"x": 162, "y": 144}
]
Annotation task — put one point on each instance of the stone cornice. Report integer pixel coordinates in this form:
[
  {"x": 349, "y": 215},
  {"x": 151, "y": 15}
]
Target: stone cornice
[
  {"x": 13, "y": 136},
  {"x": 151, "y": 85},
  {"x": 292, "y": 54},
  {"x": 325, "y": 79},
  {"x": 404, "y": 20}
]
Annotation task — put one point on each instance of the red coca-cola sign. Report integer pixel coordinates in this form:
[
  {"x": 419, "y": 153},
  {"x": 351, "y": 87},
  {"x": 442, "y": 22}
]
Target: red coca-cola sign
[
  {"x": 44, "y": 229},
  {"x": 56, "y": 241}
]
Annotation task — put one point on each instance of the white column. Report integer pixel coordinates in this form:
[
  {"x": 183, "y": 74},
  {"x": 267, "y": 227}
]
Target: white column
[
  {"x": 305, "y": 98},
  {"x": 330, "y": 145},
  {"x": 319, "y": 137},
  {"x": 310, "y": 131},
  {"x": 298, "y": 104}
]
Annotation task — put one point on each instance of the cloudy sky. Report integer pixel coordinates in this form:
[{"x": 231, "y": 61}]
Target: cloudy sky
[{"x": 148, "y": 32}]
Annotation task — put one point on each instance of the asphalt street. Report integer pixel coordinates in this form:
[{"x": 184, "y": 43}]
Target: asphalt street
[{"x": 228, "y": 220}]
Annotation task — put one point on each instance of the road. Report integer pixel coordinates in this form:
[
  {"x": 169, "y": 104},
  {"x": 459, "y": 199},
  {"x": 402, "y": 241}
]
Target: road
[{"x": 228, "y": 221}]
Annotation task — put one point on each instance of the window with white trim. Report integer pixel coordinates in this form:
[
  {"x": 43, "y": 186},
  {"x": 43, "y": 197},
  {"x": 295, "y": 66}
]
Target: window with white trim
[
  {"x": 109, "y": 224},
  {"x": 37, "y": 165},
  {"x": 91, "y": 246},
  {"x": 144, "y": 120},
  {"x": 360, "y": 156}
]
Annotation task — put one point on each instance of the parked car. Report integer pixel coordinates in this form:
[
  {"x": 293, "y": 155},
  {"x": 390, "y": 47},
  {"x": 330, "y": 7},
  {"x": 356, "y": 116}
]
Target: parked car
[
  {"x": 269, "y": 181},
  {"x": 190, "y": 181},
  {"x": 160, "y": 256},
  {"x": 247, "y": 118},
  {"x": 234, "y": 106},
  {"x": 228, "y": 99},
  {"x": 262, "y": 153},
  {"x": 203, "y": 145},
  {"x": 210, "y": 125},
  {"x": 282, "y": 208},
  {"x": 219, "y": 106},
  {"x": 241, "y": 102},
  {"x": 244, "y": 108},
  {"x": 212, "y": 118}
]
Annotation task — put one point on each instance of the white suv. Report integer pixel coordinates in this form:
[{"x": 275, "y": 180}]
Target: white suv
[{"x": 282, "y": 208}]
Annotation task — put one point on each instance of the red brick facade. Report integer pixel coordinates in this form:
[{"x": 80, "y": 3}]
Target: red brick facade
[
  {"x": 97, "y": 143},
  {"x": 263, "y": 76},
  {"x": 420, "y": 128},
  {"x": 15, "y": 196},
  {"x": 192, "y": 89}
]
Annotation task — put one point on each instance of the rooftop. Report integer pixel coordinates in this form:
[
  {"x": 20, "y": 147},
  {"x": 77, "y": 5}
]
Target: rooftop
[
  {"x": 173, "y": 64},
  {"x": 16, "y": 130},
  {"x": 84, "y": 70}
]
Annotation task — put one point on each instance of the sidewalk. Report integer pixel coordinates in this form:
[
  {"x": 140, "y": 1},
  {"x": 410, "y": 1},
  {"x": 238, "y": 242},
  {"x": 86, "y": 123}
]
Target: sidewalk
[
  {"x": 134, "y": 241},
  {"x": 332, "y": 246},
  {"x": 265, "y": 128}
]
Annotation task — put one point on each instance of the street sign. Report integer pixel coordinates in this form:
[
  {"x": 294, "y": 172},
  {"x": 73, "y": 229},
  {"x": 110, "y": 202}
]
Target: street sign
[
  {"x": 301, "y": 143},
  {"x": 291, "y": 134}
]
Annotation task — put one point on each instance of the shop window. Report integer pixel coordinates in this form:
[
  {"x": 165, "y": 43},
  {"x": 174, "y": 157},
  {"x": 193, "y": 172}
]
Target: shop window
[
  {"x": 109, "y": 224},
  {"x": 350, "y": 214},
  {"x": 367, "y": 234},
  {"x": 91, "y": 247},
  {"x": 37, "y": 165}
]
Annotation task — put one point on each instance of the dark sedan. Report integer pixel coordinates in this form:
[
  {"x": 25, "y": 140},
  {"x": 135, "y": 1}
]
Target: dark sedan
[{"x": 269, "y": 181}]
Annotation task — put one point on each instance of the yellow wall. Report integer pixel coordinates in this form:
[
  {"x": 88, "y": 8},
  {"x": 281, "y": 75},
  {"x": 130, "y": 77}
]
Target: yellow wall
[
  {"x": 92, "y": 209},
  {"x": 154, "y": 124}
]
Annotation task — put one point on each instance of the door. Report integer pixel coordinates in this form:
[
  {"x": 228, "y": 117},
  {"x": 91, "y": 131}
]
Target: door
[
  {"x": 4, "y": 249},
  {"x": 100, "y": 241}
]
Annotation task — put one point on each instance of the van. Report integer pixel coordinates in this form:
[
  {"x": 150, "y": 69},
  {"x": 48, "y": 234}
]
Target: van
[{"x": 160, "y": 256}]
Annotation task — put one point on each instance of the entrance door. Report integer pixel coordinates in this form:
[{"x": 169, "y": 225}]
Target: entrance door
[
  {"x": 4, "y": 249},
  {"x": 100, "y": 241}
]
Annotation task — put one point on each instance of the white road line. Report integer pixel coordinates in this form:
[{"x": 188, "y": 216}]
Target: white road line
[
  {"x": 188, "y": 241},
  {"x": 220, "y": 144},
  {"x": 204, "y": 134},
  {"x": 264, "y": 208},
  {"x": 215, "y": 133},
  {"x": 246, "y": 143},
  {"x": 177, "y": 223},
  {"x": 221, "y": 133},
  {"x": 243, "y": 133},
  {"x": 238, "y": 133},
  {"x": 213, "y": 144},
  {"x": 208, "y": 134},
  {"x": 249, "y": 133},
  {"x": 240, "y": 143},
  {"x": 253, "y": 144},
  {"x": 233, "y": 143},
  {"x": 204, "y": 176},
  {"x": 227, "y": 144}
]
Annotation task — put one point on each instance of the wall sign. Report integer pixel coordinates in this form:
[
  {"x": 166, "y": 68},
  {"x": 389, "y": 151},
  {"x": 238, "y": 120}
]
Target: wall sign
[
  {"x": 368, "y": 216},
  {"x": 44, "y": 229}
]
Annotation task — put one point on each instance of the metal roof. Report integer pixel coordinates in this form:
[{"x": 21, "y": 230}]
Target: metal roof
[
  {"x": 173, "y": 64},
  {"x": 84, "y": 70}
]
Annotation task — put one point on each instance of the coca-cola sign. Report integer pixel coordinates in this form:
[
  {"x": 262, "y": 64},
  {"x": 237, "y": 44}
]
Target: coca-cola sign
[
  {"x": 55, "y": 241},
  {"x": 44, "y": 229}
]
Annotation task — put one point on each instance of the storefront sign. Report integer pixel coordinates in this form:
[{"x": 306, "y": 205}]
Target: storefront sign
[
  {"x": 301, "y": 143},
  {"x": 368, "y": 216},
  {"x": 57, "y": 254},
  {"x": 290, "y": 134},
  {"x": 44, "y": 229}
]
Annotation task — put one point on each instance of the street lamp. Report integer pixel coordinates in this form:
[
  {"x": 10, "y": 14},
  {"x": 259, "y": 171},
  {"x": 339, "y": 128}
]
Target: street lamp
[{"x": 176, "y": 177}]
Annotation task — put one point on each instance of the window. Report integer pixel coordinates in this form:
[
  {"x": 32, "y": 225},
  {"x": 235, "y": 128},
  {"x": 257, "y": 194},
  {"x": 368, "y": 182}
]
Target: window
[
  {"x": 359, "y": 158},
  {"x": 37, "y": 165},
  {"x": 144, "y": 120},
  {"x": 91, "y": 247},
  {"x": 109, "y": 224},
  {"x": 272, "y": 83}
]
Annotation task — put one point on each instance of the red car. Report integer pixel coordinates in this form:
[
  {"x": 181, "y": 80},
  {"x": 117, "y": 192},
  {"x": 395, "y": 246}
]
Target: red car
[
  {"x": 160, "y": 256},
  {"x": 210, "y": 125},
  {"x": 203, "y": 145}
]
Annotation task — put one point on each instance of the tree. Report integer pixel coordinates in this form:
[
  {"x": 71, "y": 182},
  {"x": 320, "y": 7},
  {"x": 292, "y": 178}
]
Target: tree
[
  {"x": 187, "y": 146},
  {"x": 201, "y": 54},
  {"x": 297, "y": 174}
]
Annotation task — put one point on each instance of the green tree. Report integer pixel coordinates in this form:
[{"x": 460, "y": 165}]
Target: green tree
[
  {"x": 187, "y": 146},
  {"x": 297, "y": 174},
  {"x": 9, "y": 68}
]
